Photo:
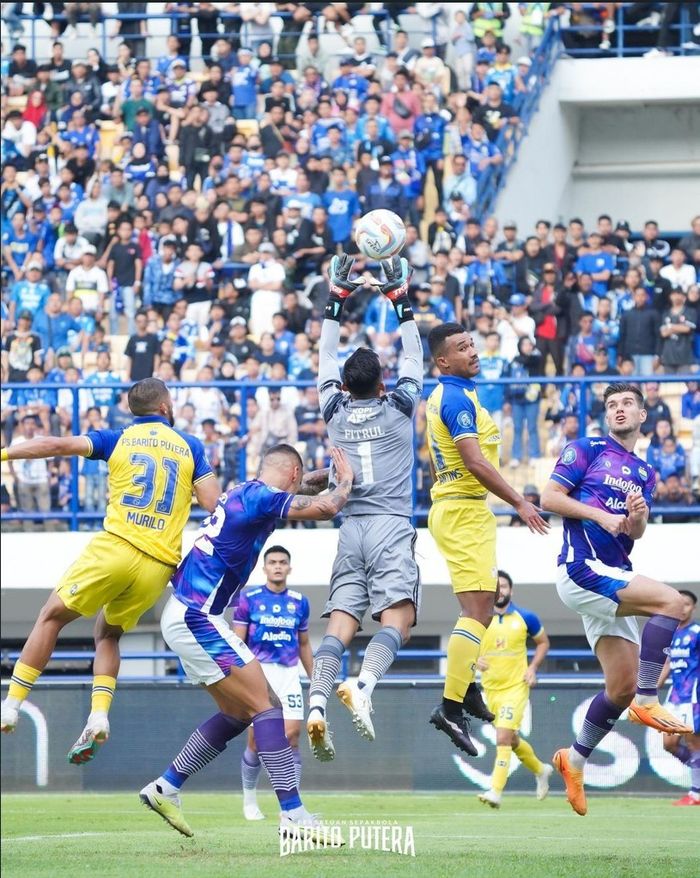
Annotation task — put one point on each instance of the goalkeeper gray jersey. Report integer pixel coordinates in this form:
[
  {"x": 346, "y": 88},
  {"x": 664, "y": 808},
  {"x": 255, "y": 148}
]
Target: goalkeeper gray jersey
[{"x": 377, "y": 435}]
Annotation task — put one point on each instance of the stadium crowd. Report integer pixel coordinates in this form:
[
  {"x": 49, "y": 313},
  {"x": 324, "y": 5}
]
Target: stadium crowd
[{"x": 175, "y": 217}]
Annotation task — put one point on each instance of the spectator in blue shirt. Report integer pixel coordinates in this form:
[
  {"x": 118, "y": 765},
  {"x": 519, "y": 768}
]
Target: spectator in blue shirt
[
  {"x": 667, "y": 458},
  {"x": 29, "y": 294},
  {"x": 409, "y": 170},
  {"x": 54, "y": 326},
  {"x": 493, "y": 367},
  {"x": 385, "y": 192},
  {"x": 480, "y": 152},
  {"x": 158, "y": 277},
  {"x": 582, "y": 345},
  {"x": 18, "y": 243},
  {"x": 596, "y": 262},
  {"x": 244, "y": 79},
  {"x": 486, "y": 275},
  {"x": 380, "y": 317},
  {"x": 342, "y": 206},
  {"x": 79, "y": 132},
  {"x": 147, "y": 131},
  {"x": 103, "y": 396},
  {"x": 351, "y": 82},
  {"x": 371, "y": 111},
  {"x": 429, "y": 132}
]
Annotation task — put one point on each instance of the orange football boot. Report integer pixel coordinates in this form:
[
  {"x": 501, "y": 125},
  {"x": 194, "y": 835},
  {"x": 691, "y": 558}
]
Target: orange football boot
[
  {"x": 573, "y": 779},
  {"x": 657, "y": 717}
]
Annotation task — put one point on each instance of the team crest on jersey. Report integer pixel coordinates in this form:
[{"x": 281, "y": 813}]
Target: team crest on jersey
[
  {"x": 626, "y": 471},
  {"x": 262, "y": 608},
  {"x": 643, "y": 473},
  {"x": 276, "y": 608},
  {"x": 465, "y": 420},
  {"x": 291, "y": 607},
  {"x": 73, "y": 589},
  {"x": 569, "y": 456}
]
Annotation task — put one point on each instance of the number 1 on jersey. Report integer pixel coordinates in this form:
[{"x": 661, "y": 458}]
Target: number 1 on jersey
[{"x": 364, "y": 449}]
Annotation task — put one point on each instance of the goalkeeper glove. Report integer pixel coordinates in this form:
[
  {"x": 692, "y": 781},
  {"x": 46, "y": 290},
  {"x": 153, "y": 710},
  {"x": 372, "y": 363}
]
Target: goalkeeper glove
[
  {"x": 398, "y": 277},
  {"x": 340, "y": 285}
]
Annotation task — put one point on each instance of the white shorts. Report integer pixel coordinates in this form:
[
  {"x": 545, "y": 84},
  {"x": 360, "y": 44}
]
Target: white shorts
[
  {"x": 206, "y": 645},
  {"x": 286, "y": 684},
  {"x": 597, "y": 610},
  {"x": 686, "y": 712}
]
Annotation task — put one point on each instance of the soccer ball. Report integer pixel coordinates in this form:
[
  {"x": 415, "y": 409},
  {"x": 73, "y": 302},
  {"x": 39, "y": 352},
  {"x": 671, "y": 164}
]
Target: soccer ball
[{"x": 380, "y": 234}]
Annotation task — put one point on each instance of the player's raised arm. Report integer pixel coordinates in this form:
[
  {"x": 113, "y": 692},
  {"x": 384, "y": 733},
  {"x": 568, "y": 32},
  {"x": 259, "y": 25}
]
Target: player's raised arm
[
  {"x": 341, "y": 287},
  {"x": 326, "y": 506},
  {"x": 493, "y": 481},
  {"x": 49, "y": 446},
  {"x": 207, "y": 491},
  {"x": 398, "y": 277}
]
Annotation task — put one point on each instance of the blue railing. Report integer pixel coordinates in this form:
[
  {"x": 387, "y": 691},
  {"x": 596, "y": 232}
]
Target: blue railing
[
  {"x": 244, "y": 389},
  {"x": 573, "y": 655}
]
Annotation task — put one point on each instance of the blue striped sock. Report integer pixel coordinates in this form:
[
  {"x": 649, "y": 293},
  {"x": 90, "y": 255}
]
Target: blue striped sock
[
  {"x": 205, "y": 744},
  {"x": 277, "y": 757}
]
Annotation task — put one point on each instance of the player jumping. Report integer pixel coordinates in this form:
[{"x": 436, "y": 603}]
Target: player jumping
[
  {"x": 224, "y": 553},
  {"x": 507, "y": 679},
  {"x": 375, "y": 565},
  {"x": 274, "y": 623},
  {"x": 153, "y": 470},
  {"x": 464, "y": 443},
  {"x": 603, "y": 492},
  {"x": 683, "y": 664}
]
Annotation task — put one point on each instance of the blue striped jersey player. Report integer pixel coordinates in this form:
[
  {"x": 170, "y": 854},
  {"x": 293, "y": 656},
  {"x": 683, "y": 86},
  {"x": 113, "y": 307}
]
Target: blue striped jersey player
[
  {"x": 683, "y": 666},
  {"x": 273, "y": 621},
  {"x": 193, "y": 625},
  {"x": 603, "y": 493}
]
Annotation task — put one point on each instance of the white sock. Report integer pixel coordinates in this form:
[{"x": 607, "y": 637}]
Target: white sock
[
  {"x": 369, "y": 681},
  {"x": 167, "y": 787},
  {"x": 576, "y": 760},
  {"x": 646, "y": 700},
  {"x": 318, "y": 701},
  {"x": 299, "y": 813},
  {"x": 250, "y": 798},
  {"x": 13, "y": 703}
]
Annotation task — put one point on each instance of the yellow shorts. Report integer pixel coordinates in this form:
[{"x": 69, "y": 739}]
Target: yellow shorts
[
  {"x": 508, "y": 705},
  {"x": 113, "y": 575},
  {"x": 465, "y": 533}
]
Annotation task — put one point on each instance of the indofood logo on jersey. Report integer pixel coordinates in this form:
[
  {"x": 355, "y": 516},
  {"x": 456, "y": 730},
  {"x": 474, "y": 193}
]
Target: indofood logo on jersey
[
  {"x": 627, "y": 486},
  {"x": 367, "y": 835}
]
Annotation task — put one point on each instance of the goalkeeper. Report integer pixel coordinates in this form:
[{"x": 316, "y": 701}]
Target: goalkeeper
[{"x": 375, "y": 567}]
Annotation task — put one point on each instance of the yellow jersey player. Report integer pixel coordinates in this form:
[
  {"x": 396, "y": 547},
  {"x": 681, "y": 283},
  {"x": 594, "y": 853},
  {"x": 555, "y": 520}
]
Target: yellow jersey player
[
  {"x": 507, "y": 679},
  {"x": 464, "y": 442},
  {"x": 153, "y": 470}
]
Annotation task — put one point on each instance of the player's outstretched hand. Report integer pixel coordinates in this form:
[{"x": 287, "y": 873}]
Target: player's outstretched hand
[
  {"x": 613, "y": 524},
  {"x": 530, "y": 515},
  {"x": 398, "y": 277},
  {"x": 339, "y": 276},
  {"x": 341, "y": 466}
]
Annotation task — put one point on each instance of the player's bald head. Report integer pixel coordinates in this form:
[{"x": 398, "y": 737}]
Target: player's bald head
[
  {"x": 149, "y": 397},
  {"x": 280, "y": 456}
]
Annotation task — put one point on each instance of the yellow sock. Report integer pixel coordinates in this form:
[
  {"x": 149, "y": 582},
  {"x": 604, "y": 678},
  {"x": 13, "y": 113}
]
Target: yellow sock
[
  {"x": 102, "y": 693},
  {"x": 23, "y": 678},
  {"x": 462, "y": 652},
  {"x": 500, "y": 769},
  {"x": 528, "y": 757}
]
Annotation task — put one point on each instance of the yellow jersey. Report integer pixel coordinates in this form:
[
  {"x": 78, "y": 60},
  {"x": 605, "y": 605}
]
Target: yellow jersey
[
  {"x": 453, "y": 413},
  {"x": 504, "y": 646},
  {"x": 152, "y": 471}
]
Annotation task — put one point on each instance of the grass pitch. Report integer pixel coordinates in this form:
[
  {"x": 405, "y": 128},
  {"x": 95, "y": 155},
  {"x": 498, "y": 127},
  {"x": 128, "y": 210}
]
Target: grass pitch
[{"x": 113, "y": 836}]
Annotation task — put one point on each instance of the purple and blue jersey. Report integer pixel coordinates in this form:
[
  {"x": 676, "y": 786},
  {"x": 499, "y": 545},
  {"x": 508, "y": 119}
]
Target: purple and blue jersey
[
  {"x": 684, "y": 660},
  {"x": 600, "y": 473},
  {"x": 228, "y": 545},
  {"x": 274, "y": 620}
]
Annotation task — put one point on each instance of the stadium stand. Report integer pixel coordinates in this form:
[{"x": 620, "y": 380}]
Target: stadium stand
[{"x": 214, "y": 171}]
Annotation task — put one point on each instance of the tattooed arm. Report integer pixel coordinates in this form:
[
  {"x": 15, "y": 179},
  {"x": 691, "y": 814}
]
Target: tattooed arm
[
  {"x": 314, "y": 482},
  {"x": 326, "y": 506}
]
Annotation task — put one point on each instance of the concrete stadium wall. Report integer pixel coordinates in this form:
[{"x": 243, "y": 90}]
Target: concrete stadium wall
[
  {"x": 31, "y": 564},
  {"x": 621, "y": 135},
  {"x": 150, "y": 723}
]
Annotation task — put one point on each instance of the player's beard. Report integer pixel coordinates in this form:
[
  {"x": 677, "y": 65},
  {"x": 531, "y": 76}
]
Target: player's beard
[{"x": 502, "y": 602}]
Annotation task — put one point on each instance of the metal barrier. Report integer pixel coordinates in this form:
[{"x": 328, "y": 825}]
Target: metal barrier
[{"x": 245, "y": 389}]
